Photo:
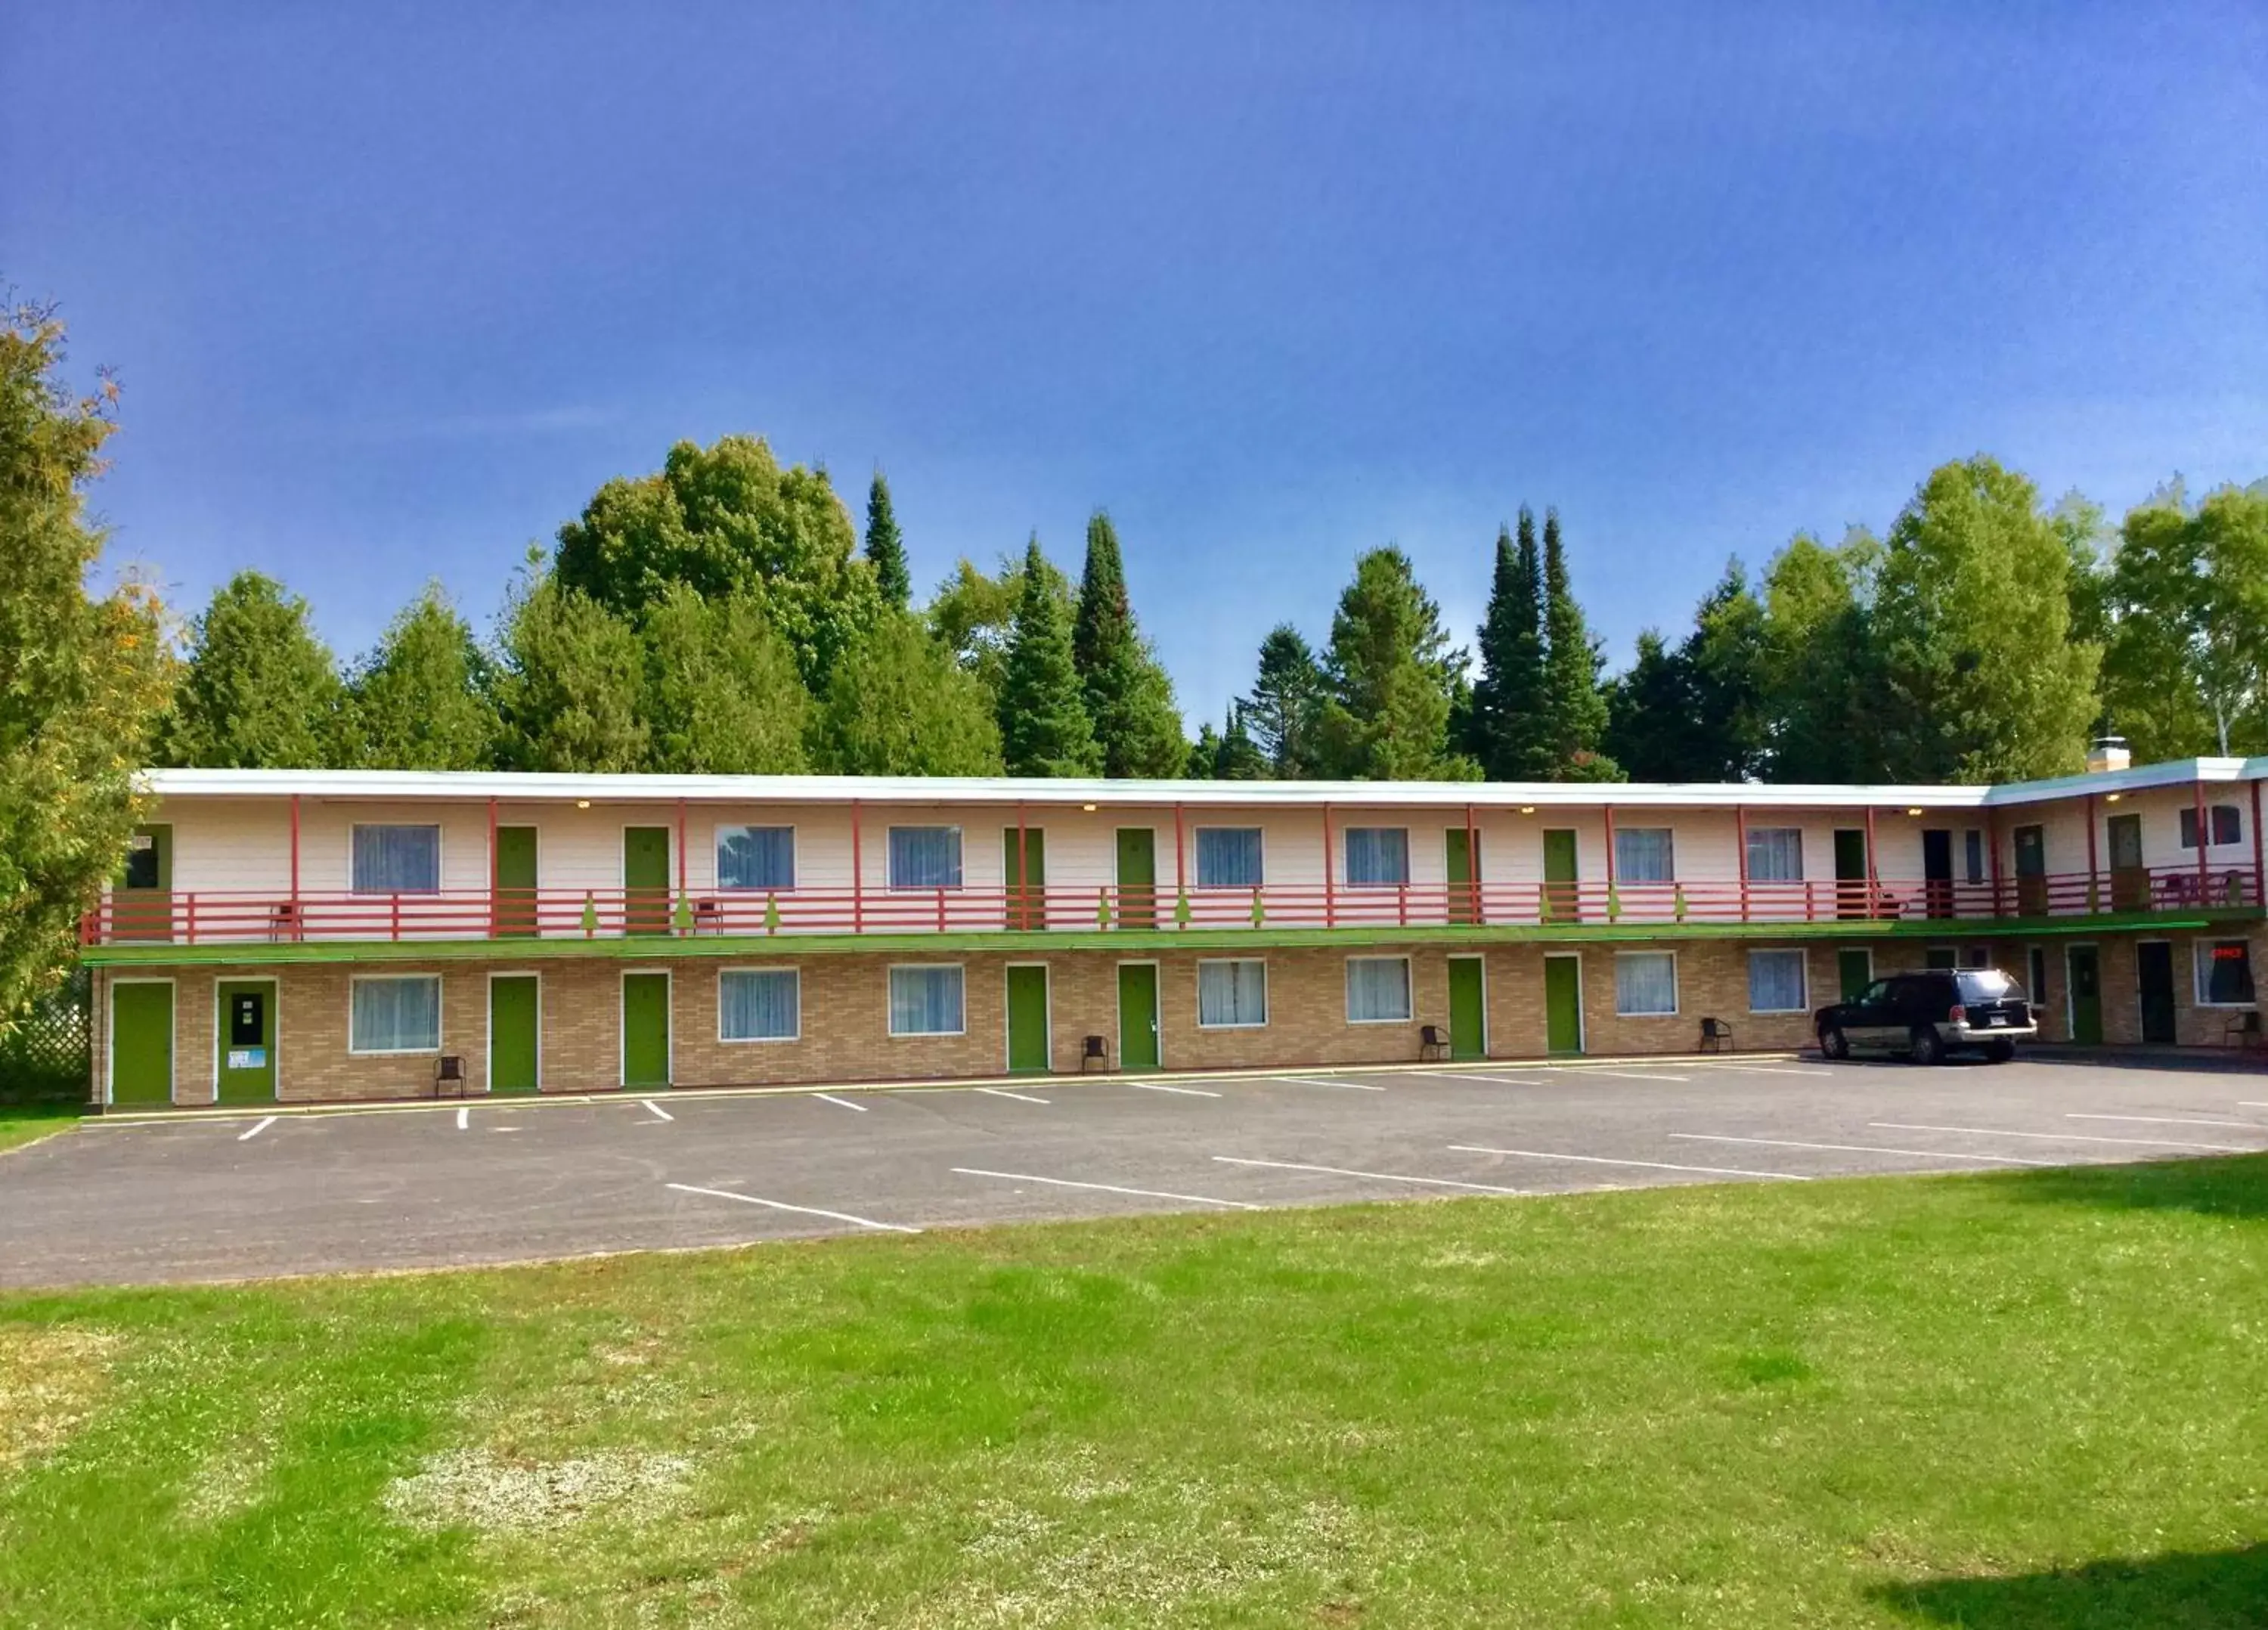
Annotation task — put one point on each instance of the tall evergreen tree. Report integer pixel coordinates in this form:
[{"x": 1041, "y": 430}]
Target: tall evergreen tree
[
  {"x": 1574, "y": 710},
  {"x": 1239, "y": 758},
  {"x": 898, "y": 705},
  {"x": 1653, "y": 718},
  {"x": 973, "y": 612},
  {"x": 1044, "y": 728},
  {"x": 1392, "y": 674},
  {"x": 1281, "y": 714},
  {"x": 723, "y": 695},
  {"x": 260, "y": 691},
  {"x": 886, "y": 547},
  {"x": 421, "y": 700},
  {"x": 1128, "y": 696},
  {"x": 1509, "y": 719},
  {"x": 571, "y": 681}
]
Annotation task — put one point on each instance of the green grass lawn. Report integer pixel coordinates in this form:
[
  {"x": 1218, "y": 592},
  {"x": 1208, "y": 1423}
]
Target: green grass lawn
[
  {"x": 2036, "y": 1400},
  {"x": 27, "y": 1123}
]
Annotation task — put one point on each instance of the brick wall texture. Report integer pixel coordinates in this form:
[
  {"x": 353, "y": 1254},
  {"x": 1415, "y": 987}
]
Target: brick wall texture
[{"x": 844, "y": 1013}]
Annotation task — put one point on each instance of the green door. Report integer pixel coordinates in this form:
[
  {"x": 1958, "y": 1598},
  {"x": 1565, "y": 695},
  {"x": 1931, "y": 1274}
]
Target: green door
[
  {"x": 1854, "y": 971},
  {"x": 1137, "y": 878},
  {"x": 515, "y": 1004},
  {"x": 245, "y": 1059},
  {"x": 142, "y": 906},
  {"x": 1560, "y": 900},
  {"x": 1138, "y": 1016},
  {"x": 645, "y": 879},
  {"x": 645, "y": 1029},
  {"x": 142, "y": 1043},
  {"x": 1563, "y": 1004},
  {"x": 2084, "y": 965},
  {"x": 1027, "y": 1019},
  {"x": 1468, "y": 1006},
  {"x": 515, "y": 879},
  {"x": 1464, "y": 894},
  {"x": 1024, "y": 863}
]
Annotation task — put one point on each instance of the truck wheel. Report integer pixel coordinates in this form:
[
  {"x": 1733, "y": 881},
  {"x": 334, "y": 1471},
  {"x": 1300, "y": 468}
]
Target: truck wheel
[
  {"x": 1928, "y": 1047},
  {"x": 1833, "y": 1042}
]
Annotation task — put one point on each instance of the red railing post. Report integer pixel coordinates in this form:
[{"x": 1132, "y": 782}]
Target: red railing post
[
  {"x": 1023, "y": 869},
  {"x": 1472, "y": 870},
  {"x": 2094, "y": 872},
  {"x": 2259, "y": 871},
  {"x": 2205, "y": 839},
  {"x": 1330, "y": 890},
  {"x": 940, "y": 909},
  {"x": 397, "y": 916},
  {"x": 297, "y": 933},
  {"x": 857, "y": 876},
  {"x": 1180, "y": 868},
  {"x": 1873, "y": 872},
  {"x": 1741, "y": 847},
  {"x": 1992, "y": 837},
  {"x": 191, "y": 901},
  {"x": 493, "y": 924}
]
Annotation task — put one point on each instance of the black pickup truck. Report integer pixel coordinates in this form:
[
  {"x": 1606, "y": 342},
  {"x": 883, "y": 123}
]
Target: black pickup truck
[{"x": 1930, "y": 1015}]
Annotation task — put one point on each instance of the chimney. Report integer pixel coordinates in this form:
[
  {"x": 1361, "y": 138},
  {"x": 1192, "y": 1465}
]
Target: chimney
[{"x": 2105, "y": 754}]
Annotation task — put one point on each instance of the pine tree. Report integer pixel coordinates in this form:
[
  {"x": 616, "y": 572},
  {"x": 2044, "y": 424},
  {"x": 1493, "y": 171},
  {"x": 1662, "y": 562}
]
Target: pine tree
[
  {"x": 260, "y": 691},
  {"x": 571, "y": 683},
  {"x": 1239, "y": 757},
  {"x": 1280, "y": 715},
  {"x": 421, "y": 700},
  {"x": 1393, "y": 676},
  {"x": 1574, "y": 710},
  {"x": 1508, "y": 713},
  {"x": 898, "y": 705},
  {"x": 723, "y": 694},
  {"x": 886, "y": 547},
  {"x": 1044, "y": 728},
  {"x": 1128, "y": 696}
]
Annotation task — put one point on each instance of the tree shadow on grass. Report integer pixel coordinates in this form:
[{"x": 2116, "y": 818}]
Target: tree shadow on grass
[
  {"x": 2227, "y": 1186},
  {"x": 2179, "y": 1590}
]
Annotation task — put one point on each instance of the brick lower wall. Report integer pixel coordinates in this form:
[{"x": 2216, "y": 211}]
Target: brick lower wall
[{"x": 844, "y": 1013}]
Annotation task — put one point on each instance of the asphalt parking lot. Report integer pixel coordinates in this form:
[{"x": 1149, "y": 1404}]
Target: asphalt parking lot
[{"x": 213, "y": 1197}]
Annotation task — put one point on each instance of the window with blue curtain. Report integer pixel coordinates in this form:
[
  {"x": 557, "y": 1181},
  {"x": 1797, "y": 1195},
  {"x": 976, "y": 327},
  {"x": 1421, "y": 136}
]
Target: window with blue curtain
[
  {"x": 925, "y": 1001},
  {"x": 1775, "y": 854},
  {"x": 755, "y": 857},
  {"x": 758, "y": 1005},
  {"x": 1776, "y": 982},
  {"x": 1228, "y": 856},
  {"x": 1377, "y": 856},
  {"x": 1377, "y": 989},
  {"x": 397, "y": 859},
  {"x": 1232, "y": 993},
  {"x": 1645, "y": 984},
  {"x": 1643, "y": 854},
  {"x": 395, "y": 1015},
  {"x": 925, "y": 856},
  {"x": 2227, "y": 826}
]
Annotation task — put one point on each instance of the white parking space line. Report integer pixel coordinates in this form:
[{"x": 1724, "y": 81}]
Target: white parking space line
[
  {"x": 1765, "y": 1069},
  {"x": 1373, "y": 1176},
  {"x": 843, "y": 1104},
  {"x": 1601, "y": 1160},
  {"x": 1002, "y": 1092},
  {"x": 1492, "y": 1080},
  {"x": 464, "y": 1119},
  {"x": 2163, "y": 1120},
  {"x": 659, "y": 1113},
  {"x": 1862, "y": 1149},
  {"x": 258, "y": 1127},
  {"x": 1104, "y": 1188},
  {"x": 2252, "y": 1103},
  {"x": 1632, "y": 1075},
  {"x": 808, "y": 1211},
  {"x": 1186, "y": 1092},
  {"x": 2067, "y": 1137},
  {"x": 1303, "y": 1080}
]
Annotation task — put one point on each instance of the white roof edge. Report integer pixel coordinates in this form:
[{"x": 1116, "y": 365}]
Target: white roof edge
[{"x": 533, "y": 787}]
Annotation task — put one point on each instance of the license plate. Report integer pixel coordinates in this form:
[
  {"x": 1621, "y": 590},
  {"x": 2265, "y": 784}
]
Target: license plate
[{"x": 1997, "y": 1018}]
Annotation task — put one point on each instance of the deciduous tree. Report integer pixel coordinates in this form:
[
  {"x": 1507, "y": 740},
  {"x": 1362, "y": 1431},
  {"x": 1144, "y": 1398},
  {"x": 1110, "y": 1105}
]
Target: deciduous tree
[
  {"x": 2186, "y": 601},
  {"x": 571, "y": 681},
  {"x": 723, "y": 694},
  {"x": 259, "y": 691},
  {"x": 899, "y": 705}
]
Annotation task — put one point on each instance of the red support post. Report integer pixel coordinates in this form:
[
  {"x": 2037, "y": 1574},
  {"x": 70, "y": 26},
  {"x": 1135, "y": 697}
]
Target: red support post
[
  {"x": 1181, "y": 872},
  {"x": 492, "y": 867},
  {"x": 1472, "y": 869},
  {"x": 1873, "y": 872},
  {"x": 681, "y": 900},
  {"x": 857, "y": 876},
  {"x": 297, "y": 932},
  {"x": 2205, "y": 837},
  {"x": 1992, "y": 837},
  {"x": 1741, "y": 840},
  {"x": 2259, "y": 870},
  {"x": 1023, "y": 870},
  {"x": 1330, "y": 890},
  {"x": 2094, "y": 879},
  {"x": 1609, "y": 811}
]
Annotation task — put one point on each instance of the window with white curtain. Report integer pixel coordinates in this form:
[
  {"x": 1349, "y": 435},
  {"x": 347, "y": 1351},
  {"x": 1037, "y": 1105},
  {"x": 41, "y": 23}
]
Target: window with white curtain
[
  {"x": 759, "y": 1005},
  {"x": 925, "y": 856},
  {"x": 1644, "y": 854},
  {"x": 1232, "y": 994},
  {"x": 1377, "y": 990},
  {"x": 1776, "y": 982},
  {"x": 1775, "y": 854},
  {"x": 397, "y": 859},
  {"x": 1228, "y": 856},
  {"x": 395, "y": 1015},
  {"x": 926, "y": 1000},
  {"x": 1645, "y": 984},
  {"x": 1377, "y": 856},
  {"x": 755, "y": 857}
]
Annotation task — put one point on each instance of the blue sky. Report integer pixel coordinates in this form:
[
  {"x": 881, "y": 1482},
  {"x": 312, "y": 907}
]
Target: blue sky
[{"x": 391, "y": 290}]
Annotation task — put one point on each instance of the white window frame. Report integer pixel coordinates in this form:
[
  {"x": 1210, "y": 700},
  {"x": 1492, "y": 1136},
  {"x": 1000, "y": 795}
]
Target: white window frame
[
  {"x": 890, "y": 856},
  {"x": 440, "y": 1017},
  {"x": 1260, "y": 1023},
  {"x": 1676, "y": 988},
  {"x": 1803, "y": 984},
  {"x": 792, "y": 971},
  {"x": 1408, "y": 990},
  {"x": 890, "y": 1005},
  {"x": 2211, "y": 843},
  {"x": 1196, "y": 846},
  {"x": 440, "y": 856},
  {"x": 1346, "y": 857},
  {"x": 717, "y": 856},
  {"x": 2199, "y": 979}
]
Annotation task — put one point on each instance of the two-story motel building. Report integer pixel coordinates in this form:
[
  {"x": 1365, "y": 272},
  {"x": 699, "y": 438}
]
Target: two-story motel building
[{"x": 305, "y": 935}]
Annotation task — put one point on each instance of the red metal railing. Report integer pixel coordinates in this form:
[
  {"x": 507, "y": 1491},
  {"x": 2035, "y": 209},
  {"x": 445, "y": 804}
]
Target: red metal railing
[{"x": 218, "y": 917}]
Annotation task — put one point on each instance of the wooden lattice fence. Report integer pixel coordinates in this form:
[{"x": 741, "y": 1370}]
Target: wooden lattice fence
[{"x": 48, "y": 1052}]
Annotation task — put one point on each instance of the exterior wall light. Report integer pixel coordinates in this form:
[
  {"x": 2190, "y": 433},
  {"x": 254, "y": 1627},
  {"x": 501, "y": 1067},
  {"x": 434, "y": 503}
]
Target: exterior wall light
[
  {"x": 582, "y": 803},
  {"x": 1915, "y": 810}
]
